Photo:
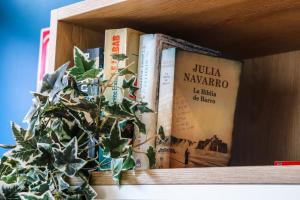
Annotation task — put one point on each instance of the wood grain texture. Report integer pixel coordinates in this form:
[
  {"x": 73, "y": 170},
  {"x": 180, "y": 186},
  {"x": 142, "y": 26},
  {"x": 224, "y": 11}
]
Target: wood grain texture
[
  {"x": 267, "y": 120},
  {"x": 69, "y": 35},
  {"x": 209, "y": 175},
  {"x": 198, "y": 192},
  {"x": 239, "y": 28},
  {"x": 267, "y": 123},
  {"x": 52, "y": 42}
]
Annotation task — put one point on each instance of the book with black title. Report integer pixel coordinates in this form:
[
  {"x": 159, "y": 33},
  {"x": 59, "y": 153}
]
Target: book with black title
[
  {"x": 151, "y": 46},
  {"x": 197, "y": 99}
]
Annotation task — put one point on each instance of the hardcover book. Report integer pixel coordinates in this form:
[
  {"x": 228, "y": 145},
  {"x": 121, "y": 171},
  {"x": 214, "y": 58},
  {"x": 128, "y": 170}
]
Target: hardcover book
[
  {"x": 151, "y": 46},
  {"x": 120, "y": 41},
  {"x": 43, "y": 55},
  {"x": 286, "y": 163},
  {"x": 91, "y": 86},
  {"x": 197, "y": 100},
  {"x": 96, "y": 54}
]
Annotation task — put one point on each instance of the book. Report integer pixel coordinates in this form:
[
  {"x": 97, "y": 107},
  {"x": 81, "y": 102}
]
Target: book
[
  {"x": 197, "y": 100},
  {"x": 151, "y": 46},
  {"x": 96, "y": 54},
  {"x": 90, "y": 86},
  {"x": 286, "y": 163},
  {"x": 119, "y": 41},
  {"x": 43, "y": 55}
]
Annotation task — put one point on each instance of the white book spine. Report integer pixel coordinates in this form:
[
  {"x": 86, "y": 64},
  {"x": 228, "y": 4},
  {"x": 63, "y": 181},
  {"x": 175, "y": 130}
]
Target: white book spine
[
  {"x": 148, "y": 83},
  {"x": 115, "y": 43},
  {"x": 165, "y": 106}
]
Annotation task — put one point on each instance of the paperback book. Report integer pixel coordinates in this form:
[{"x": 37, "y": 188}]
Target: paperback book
[
  {"x": 197, "y": 99},
  {"x": 120, "y": 41},
  {"x": 151, "y": 46}
]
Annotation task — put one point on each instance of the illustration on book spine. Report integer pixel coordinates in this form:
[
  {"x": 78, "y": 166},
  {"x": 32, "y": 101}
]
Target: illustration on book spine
[
  {"x": 196, "y": 108},
  {"x": 151, "y": 46}
]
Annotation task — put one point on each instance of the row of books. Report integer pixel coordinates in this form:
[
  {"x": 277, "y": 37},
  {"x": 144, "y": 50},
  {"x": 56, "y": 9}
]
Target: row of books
[{"x": 191, "y": 89}]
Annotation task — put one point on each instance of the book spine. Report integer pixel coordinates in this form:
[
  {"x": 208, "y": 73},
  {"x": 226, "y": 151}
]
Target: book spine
[
  {"x": 97, "y": 55},
  {"x": 165, "y": 106},
  {"x": 119, "y": 41},
  {"x": 286, "y": 163},
  {"x": 43, "y": 55},
  {"x": 148, "y": 88}
]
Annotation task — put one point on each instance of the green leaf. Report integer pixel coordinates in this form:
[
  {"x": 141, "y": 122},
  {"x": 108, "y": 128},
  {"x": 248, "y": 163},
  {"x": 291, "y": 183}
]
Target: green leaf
[
  {"x": 7, "y": 146},
  {"x": 6, "y": 166},
  {"x": 114, "y": 145},
  {"x": 9, "y": 191},
  {"x": 83, "y": 68},
  {"x": 104, "y": 162},
  {"x": 129, "y": 83},
  {"x": 89, "y": 192},
  {"x": 127, "y": 105},
  {"x": 119, "y": 57},
  {"x": 81, "y": 61},
  {"x": 31, "y": 196},
  {"x": 40, "y": 97},
  {"x": 32, "y": 128},
  {"x": 141, "y": 126},
  {"x": 66, "y": 160},
  {"x": 61, "y": 130},
  {"x": 10, "y": 178},
  {"x": 45, "y": 158},
  {"x": 53, "y": 83},
  {"x": 125, "y": 71},
  {"x": 40, "y": 187},
  {"x": 78, "y": 58},
  {"x": 129, "y": 162},
  {"x": 36, "y": 104},
  {"x": 117, "y": 111},
  {"x": 25, "y": 149},
  {"x": 24, "y": 154},
  {"x": 74, "y": 197},
  {"x": 151, "y": 156},
  {"x": 142, "y": 107},
  {"x": 92, "y": 73},
  {"x": 76, "y": 71},
  {"x": 18, "y": 133},
  {"x": 117, "y": 165},
  {"x": 62, "y": 184},
  {"x": 161, "y": 133}
]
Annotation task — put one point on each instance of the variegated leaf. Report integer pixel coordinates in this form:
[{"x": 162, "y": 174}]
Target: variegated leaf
[{"x": 66, "y": 160}]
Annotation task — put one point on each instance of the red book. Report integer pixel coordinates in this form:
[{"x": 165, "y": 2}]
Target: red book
[
  {"x": 286, "y": 163},
  {"x": 43, "y": 55}
]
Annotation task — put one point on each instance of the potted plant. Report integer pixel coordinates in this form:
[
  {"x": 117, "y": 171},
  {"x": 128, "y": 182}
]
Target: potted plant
[{"x": 52, "y": 158}]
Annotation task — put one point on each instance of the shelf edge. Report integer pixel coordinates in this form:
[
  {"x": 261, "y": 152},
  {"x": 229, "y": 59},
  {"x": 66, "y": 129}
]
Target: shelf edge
[{"x": 211, "y": 175}]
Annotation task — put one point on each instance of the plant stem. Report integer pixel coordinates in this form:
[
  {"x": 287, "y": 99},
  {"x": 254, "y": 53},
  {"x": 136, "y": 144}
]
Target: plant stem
[
  {"x": 103, "y": 122},
  {"x": 135, "y": 151},
  {"x": 87, "y": 148},
  {"x": 151, "y": 138},
  {"x": 114, "y": 76},
  {"x": 80, "y": 138}
]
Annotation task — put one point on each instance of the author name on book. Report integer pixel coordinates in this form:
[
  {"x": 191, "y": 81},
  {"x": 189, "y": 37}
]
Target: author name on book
[{"x": 205, "y": 76}]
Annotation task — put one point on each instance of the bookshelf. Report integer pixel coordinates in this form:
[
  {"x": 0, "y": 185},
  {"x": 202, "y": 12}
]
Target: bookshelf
[{"x": 264, "y": 34}]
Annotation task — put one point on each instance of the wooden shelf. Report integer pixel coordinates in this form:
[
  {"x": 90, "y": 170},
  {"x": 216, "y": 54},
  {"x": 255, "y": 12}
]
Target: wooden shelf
[
  {"x": 240, "y": 29},
  {"x": 209, "y": 175},
  {"x": 264, "y": 34}
]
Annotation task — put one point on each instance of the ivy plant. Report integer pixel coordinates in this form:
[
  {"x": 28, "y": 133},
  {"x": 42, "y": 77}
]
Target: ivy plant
[{"x": 51, "y": 157}]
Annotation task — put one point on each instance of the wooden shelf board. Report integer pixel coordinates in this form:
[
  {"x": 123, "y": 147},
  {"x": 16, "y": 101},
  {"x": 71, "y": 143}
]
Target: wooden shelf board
[
  {"x": 240, "y": 29},
  {"x": 209, "y": 175}
]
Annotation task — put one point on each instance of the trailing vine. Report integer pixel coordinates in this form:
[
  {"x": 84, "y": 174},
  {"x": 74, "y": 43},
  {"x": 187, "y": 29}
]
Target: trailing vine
[{"x": 66, "y": 126}]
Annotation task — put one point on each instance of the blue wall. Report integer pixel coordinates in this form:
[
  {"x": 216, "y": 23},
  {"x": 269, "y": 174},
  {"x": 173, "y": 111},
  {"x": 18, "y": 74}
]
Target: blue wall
[{"x": 20, "y": 25}]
